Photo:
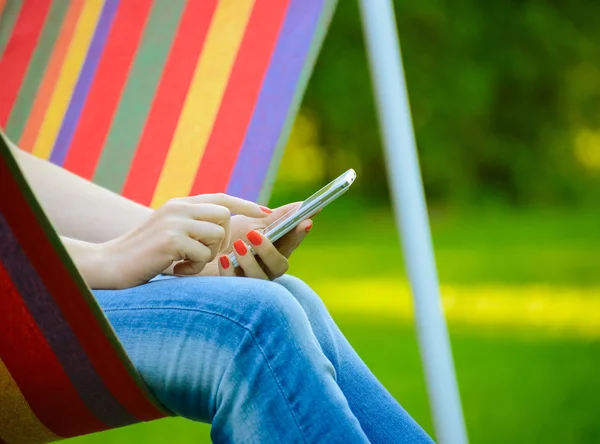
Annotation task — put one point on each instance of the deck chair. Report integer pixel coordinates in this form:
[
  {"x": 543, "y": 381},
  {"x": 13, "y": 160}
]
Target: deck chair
[{"x": 151, "y": 99}]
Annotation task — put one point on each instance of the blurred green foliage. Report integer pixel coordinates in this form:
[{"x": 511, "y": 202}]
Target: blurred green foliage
[
  {"x": 521, "y": 382},
  {"x": 505, "y": 99}
]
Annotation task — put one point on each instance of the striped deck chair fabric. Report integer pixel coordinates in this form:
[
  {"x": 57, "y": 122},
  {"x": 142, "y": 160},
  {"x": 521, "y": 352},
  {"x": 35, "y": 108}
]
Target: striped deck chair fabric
[
  {"x": 151, "y": 99},
  {"x": 157, "y": 99},
  {"x": 63, "y": 372}
]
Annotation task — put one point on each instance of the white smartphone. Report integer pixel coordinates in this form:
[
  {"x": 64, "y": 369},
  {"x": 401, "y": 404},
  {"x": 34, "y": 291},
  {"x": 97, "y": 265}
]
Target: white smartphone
[{"x": 306, "y": 209}]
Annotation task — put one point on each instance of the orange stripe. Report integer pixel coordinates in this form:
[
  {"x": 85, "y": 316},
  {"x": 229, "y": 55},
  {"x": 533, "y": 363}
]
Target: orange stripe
[
  {"x": 2, "y": 4},
  {"x": 19, "y": 423},
  {"x": 38, "y": 110}
]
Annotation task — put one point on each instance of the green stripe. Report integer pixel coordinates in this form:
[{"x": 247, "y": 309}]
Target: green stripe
[
  {"x": 36, "y": 69},
  {"x": 7, "y": 156},
  {"x": 7, "y": 22},
  {"x": 136, "y": 101},
  {"x": 320, "y": 32}
]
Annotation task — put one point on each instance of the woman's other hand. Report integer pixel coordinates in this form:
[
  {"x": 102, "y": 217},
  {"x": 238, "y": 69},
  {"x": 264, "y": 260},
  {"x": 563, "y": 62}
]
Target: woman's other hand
[
  {"x": 188, "y": 232},
  {"x": 271, "y": 260}
]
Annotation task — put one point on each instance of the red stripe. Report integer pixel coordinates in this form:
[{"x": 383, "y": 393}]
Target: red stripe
[
  {"x": 103, "y": 98},
  {"x": 69, "y": 298},
  {"x": 18, "y": 52},
  {"x": 37, "y": 372},
  {"x": 172, "y": 91},
  {"x": 240, "y": 97}
]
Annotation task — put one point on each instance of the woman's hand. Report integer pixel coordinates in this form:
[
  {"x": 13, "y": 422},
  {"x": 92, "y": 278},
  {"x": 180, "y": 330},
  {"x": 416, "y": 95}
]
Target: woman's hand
[
  {"x": 271, "y": 260},
  {"x": 188, "y": 231}
]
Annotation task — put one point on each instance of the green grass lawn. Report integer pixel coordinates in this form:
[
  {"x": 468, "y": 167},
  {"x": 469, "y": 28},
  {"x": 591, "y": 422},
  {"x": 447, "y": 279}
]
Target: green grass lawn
[{"x": 526, "y": 374}]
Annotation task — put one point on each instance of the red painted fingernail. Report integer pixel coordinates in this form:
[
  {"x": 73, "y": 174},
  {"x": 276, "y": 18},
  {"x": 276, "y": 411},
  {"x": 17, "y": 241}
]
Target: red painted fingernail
[
  {"x": 224, "y": 262},
  {"x": 265, "y": 209},
  {"x": 254, "y": 237},
  {"x": 240, "y": 247},
  {"x": 308, "y": 227}
]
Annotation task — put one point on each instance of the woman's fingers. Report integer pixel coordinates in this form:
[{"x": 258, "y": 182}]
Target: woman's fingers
[
  {"x": 185, "y": 209},
  {"x": 270, "y": 261},
  {"x": 247, "y": 261},
  {"x": 275, "y": 263},
  {"x": 225, "y": 266},
  {"x": 234, "y": 204},
  {"x": 209, "y": 212},
  {"x": 194, "y": 255},
  {"x": 210, "y": 234}
]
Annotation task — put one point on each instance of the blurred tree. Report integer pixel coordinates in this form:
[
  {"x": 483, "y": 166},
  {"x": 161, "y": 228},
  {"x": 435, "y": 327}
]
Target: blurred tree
[{"x": 505, "y": 99}]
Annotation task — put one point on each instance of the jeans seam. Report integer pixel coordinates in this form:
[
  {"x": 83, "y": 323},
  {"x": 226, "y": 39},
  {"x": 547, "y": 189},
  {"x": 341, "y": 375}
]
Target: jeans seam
[{"x": 239, "y": 324}]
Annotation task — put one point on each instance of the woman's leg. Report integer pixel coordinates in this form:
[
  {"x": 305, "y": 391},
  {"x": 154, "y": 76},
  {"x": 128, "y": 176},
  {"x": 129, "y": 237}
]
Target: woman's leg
[
  {"x": 381, "y": 417},
  {"x": 239, "y": 353}
]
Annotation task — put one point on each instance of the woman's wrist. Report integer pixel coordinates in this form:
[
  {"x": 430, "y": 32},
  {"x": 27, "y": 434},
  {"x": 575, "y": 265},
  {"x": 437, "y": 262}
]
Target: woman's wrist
[{"x": 95, "y": 262}]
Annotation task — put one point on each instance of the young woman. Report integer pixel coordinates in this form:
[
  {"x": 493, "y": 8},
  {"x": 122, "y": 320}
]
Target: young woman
[{"x": 259, "y": 358}]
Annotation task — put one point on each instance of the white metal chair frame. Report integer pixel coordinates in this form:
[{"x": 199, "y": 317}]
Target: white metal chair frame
[{"x": 404, "y": 175}]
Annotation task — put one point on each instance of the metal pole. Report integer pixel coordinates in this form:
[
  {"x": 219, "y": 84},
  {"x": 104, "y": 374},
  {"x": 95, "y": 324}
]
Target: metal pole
[{"x": 379, "y": 24}]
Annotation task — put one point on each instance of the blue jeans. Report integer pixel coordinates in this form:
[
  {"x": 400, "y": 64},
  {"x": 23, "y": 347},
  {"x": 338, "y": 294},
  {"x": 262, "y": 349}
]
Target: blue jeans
[{"x": 261, "y": 361}]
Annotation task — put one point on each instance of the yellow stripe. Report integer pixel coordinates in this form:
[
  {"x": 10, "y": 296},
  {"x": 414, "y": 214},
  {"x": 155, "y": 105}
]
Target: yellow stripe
[
  {"x": 18, "y": 423},
  {"x": 68, "y": 77},
  {"x": 203, "y": 100}
]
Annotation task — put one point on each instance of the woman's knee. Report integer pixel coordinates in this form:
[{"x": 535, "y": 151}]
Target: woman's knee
[
  {"x": 310, "y": 301},
  {"x": 322, "y": 324},
  {"x": 267, "y": 306},
  {"x": 278, "y": 333}
]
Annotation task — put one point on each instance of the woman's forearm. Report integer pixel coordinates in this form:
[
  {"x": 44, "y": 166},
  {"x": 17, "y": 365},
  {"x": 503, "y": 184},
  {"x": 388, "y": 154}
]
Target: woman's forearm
[{"x": 77, "y": 208}]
